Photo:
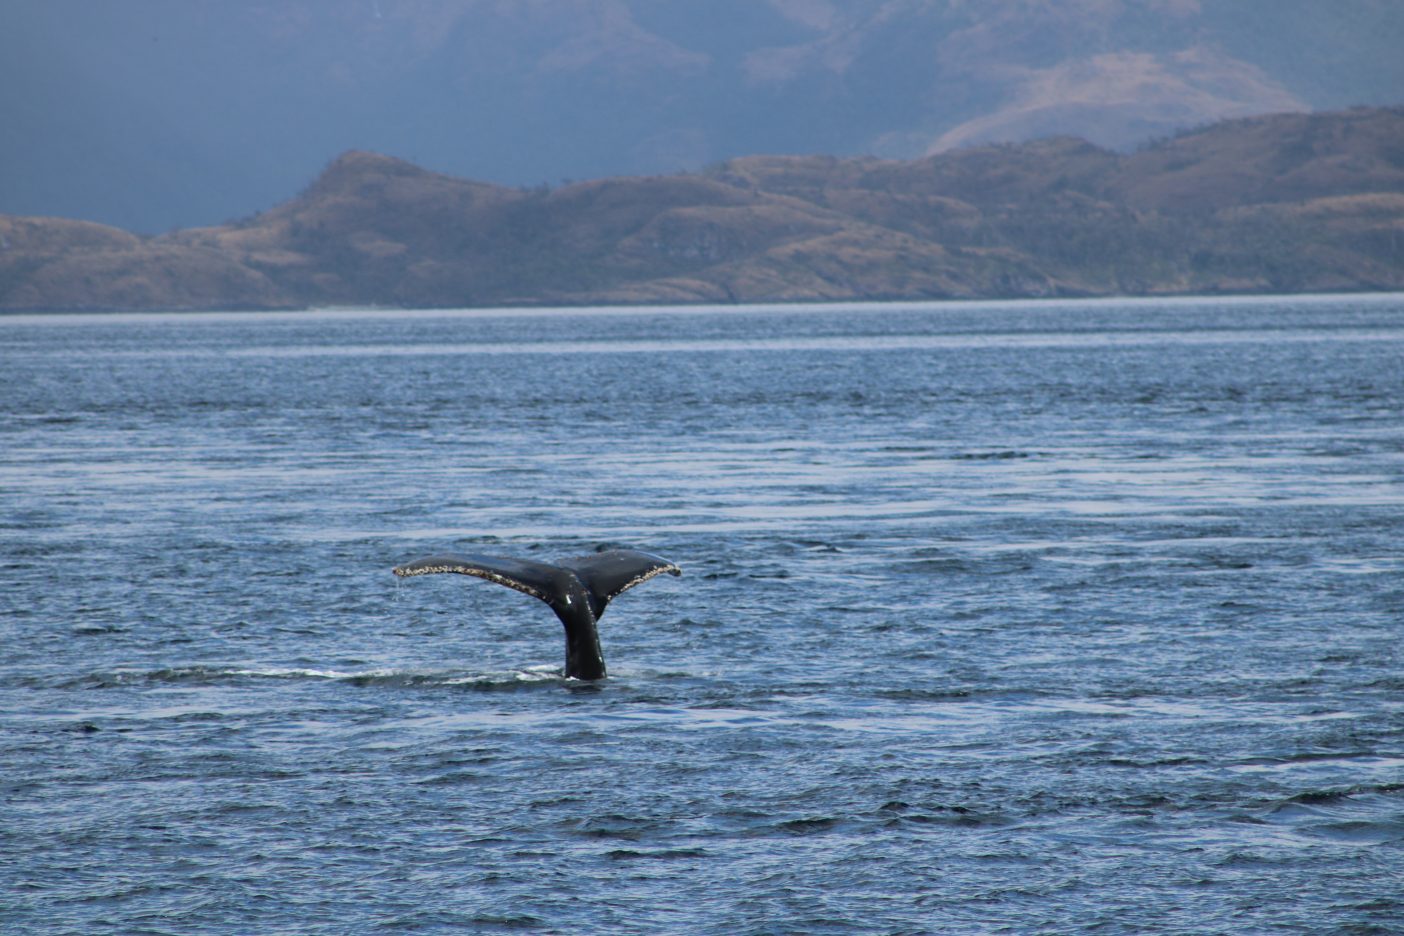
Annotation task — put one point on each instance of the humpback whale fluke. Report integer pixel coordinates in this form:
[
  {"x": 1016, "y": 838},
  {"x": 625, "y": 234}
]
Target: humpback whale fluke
[{"x": 577, "y": 589}]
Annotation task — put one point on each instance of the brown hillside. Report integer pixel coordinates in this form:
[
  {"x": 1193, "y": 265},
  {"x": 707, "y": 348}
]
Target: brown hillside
[
  {"x": 1292, "y": 202},
  {"x": 1285, "y": 158}
]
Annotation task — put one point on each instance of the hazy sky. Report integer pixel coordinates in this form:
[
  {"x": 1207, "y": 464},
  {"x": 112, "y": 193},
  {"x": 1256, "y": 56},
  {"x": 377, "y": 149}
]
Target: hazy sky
[{"x": 151, "y": 114}]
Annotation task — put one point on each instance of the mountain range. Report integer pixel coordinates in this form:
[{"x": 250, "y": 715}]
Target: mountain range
[
  {"x": 156, "y": 114},
  {"x": 1286, "y": 203}
]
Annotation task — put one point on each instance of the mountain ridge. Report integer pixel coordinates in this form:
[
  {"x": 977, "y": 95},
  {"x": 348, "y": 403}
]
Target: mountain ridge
[
  {"x": 1293, "y": 202},
  {"x": 157, "y": 114}
]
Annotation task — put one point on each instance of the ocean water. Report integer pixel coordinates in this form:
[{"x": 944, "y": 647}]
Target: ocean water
[{"x": 1054, "y": 617}]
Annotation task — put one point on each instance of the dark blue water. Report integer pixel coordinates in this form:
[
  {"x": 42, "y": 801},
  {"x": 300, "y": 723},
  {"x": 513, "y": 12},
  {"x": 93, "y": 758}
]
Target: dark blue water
[{"x": 1055, "y": 618}]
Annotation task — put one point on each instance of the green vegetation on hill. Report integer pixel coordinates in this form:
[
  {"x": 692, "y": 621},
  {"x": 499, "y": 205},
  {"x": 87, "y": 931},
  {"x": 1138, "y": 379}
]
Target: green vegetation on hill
[{"x": 1287, "y": 203}]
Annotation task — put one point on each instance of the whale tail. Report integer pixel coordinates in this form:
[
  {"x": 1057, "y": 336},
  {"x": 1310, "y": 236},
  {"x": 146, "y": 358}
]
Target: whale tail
[{"x": 577, "y": 589}]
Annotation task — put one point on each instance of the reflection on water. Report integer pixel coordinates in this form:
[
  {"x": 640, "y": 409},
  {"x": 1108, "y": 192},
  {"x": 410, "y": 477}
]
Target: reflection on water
[{"x": 1025, "y": 616}]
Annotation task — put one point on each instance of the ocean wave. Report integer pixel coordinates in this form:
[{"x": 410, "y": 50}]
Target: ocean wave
[{"x": 207, "y": 675}]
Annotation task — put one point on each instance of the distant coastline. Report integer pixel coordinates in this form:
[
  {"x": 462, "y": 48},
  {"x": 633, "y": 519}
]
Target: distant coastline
[
  {"x": 1291, "y": 203},
  {"x": 851, "y": 307}
]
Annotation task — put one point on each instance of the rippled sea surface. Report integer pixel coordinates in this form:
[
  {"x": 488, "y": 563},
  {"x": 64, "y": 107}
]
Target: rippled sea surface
[{"x": 1063, "y": 617}]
